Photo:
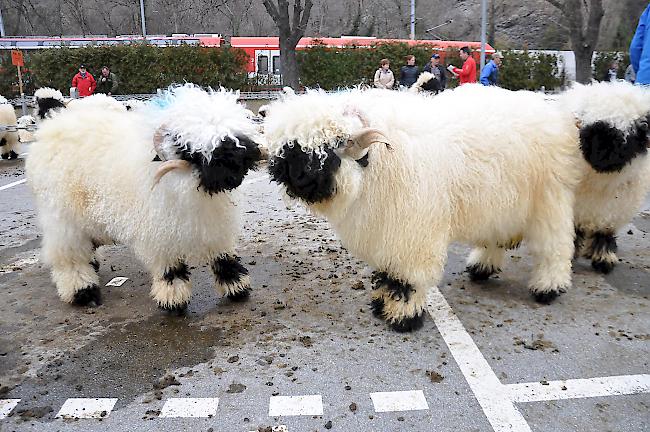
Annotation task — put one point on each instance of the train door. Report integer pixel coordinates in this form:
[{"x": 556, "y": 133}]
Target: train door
[{"x": 267, "y": 64}]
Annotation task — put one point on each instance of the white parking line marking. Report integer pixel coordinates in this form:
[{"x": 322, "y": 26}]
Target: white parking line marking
[
  {"x": 6, "y": 406},
  {"x": 579, "y": 388},
  {"x": 10, "y": 185},
  {"x": 281, "y": 428},
  {"x": 310, "y": 405},
  {"x": 190, "y": 407},
  {"x": 490, "y": 393},
  {"x": 399, "y": 401},
  {"x": 82, "y": 408}
]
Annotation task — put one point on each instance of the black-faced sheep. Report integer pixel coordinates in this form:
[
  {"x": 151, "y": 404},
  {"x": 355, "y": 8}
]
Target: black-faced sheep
[
  {"x": 496, "y": 167},
  {"x": 614, "y": 139},
  {"x": 161, "y": 182},
  {"x": 8, "y": 140}
]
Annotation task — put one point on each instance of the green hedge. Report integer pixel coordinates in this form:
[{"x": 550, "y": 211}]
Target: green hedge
[
  {"x": 603, "y": 60},
  {"x": 332, "y": 68},
  {"x": 522, "y": 70},
  {"x": 140, "y": 68}
]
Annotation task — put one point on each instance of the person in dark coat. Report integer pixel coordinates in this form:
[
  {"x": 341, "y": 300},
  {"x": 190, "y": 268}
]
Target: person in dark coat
[
  {"x": 107, "y": 82},
  {"x": 409, "y": 73},
  {"x": 439, "y": 72}
]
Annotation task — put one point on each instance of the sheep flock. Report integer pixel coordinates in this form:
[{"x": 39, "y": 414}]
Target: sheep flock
[{"x": 497, "y": 169}]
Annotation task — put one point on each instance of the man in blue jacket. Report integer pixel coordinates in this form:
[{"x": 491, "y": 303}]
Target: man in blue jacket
[
  {"x": 490, "y": 72},
  {"x": 640, "y": 49}
]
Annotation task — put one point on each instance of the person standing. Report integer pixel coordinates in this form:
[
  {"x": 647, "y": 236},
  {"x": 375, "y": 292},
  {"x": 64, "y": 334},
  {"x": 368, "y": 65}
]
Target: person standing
[
  {"x": 438, "y": 71},
  {"x": 384, "y": 78},
  {"x": 612, "y": 72},
  {"x": 107, "y": 82},
  {"x": 84, "y": 82},
  {"x": 490, "y": 73},
  {"x": 409, "y": 73},
  {"x": 640, "y": 49},
  {"x": 467, "y": 74}
]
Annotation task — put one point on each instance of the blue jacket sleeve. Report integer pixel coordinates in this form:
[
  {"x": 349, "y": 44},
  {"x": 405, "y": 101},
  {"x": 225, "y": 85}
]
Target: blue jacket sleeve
[
  {"x": 485, "y": 74},
  {"x": 636, "y": 47}
]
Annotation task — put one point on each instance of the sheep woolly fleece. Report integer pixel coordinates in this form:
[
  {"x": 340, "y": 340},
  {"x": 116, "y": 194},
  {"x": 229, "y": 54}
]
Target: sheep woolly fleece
[
  {"x": 201, "y": 133},
  {"x": 497, "y": 166},
  {"x": 91, "y": 172},
  {"x": 9, "y": 139}
]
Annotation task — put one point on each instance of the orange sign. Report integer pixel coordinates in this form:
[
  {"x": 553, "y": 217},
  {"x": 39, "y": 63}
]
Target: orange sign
[{"x": 17, "y": 58}]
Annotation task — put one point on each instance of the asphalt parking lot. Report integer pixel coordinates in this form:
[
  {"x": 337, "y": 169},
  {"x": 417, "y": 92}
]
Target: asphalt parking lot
[{"x": 305, "y": 353}]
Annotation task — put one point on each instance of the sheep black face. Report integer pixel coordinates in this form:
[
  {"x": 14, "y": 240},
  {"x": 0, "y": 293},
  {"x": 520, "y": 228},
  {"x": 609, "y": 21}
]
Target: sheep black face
[
  {"x": 307, "y": 176},
  {"x": 608, "y": 149},
  {"x": 227, "y": 166},
  {"x": 223, "y": 170}
]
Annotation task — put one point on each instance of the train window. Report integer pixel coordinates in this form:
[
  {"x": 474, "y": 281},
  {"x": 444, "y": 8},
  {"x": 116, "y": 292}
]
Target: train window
[
  {"x": 276, "y": 65},
  {"x": 262, "y": 64}
]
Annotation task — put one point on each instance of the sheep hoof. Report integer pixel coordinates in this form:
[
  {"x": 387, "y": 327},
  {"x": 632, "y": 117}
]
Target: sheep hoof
[
  {"x": 377, "y": 306},
  {"x": 479, "y": 272},
  {"x": 90, "y": 296},
  {"x": 546, "y": 297},
  {"x": 602, "y": 266},
  {"x": 406, "y": 325},
  {"x": 240, "y": 296},
  {"x": 175, "y": 310}
]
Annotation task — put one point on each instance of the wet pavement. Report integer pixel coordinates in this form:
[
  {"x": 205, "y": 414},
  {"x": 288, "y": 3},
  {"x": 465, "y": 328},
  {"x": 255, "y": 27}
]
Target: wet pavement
[{"x": 307, "y": 330}]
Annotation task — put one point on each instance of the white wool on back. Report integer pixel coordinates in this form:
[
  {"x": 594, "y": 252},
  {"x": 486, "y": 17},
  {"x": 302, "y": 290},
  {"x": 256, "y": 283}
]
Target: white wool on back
[
  {"x": 444, "y": 178},
  {"x": 617, "y": 103},
  {"x": 199, "y": 119},
  {"x": 100, "y": 101},
  {"x": 47, "y": 92}
]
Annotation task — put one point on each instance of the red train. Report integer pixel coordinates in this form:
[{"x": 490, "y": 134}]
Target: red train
[{"x": 263, "y": 52}]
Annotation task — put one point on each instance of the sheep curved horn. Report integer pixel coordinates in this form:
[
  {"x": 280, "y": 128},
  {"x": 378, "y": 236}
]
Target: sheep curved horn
[
  {"x": 168, "y": 166},
  {"x": 367, "y": 137}
]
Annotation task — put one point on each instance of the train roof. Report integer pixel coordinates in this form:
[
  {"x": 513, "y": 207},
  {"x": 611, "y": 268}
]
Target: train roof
[{"x": 347, "y": 41}]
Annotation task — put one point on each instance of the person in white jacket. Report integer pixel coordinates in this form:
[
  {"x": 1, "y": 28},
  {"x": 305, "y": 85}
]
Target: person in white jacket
[{"x": 384, "y": 78}]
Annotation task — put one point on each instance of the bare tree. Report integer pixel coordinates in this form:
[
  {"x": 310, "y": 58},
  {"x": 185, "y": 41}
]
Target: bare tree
[
  {"x": 583, "y": 19},
  {"x": 290, "y": 31}
]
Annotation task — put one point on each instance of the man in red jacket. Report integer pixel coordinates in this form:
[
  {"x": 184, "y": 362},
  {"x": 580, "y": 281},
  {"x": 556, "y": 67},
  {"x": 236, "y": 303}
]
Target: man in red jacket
[
  {"x": 84, "y": 82},
  {"x": 468, "y": 73}
]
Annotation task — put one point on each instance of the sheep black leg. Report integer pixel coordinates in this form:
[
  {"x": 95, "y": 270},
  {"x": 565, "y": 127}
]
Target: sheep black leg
[
  {"x": 172, "y": 292},
  {"x": 232, "y": 278},
  {"x": 398, "y": 302},
  {"x": 602, "y": 251},
  {"x": 483, "y": 262},
  {"x": 579, "y": 242}
]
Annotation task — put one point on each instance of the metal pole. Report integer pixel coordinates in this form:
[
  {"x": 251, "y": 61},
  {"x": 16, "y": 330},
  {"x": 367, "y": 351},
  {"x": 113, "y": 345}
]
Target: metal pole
[
  {"x": 412, "y": 19},
  {"x": 2, "y": 25},
  {"x": 144, "y": 24},
  {"x": 483, "y": 30},
  {"x": 23, "y": 105}
]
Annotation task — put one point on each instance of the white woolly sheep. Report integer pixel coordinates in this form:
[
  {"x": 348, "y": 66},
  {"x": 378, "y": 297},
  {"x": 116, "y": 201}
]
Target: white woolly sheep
[
  {"x": 498, "y": 167},
  {"x": 8, "y": 140},
  {"x": 161, "y": 182},
  {"x": 25, "y": 135},
  {"x": 425, "y": 82},
  {"x": 614, "y": 120},
  {"x": 48, "y": 100}
]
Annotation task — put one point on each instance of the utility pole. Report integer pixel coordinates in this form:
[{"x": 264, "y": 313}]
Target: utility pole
[
  {"x": 2, "y": 25},
  {"x": 483, "y": 30},
  {"x": 144, "y": 24},
  {"x": 412, "y": 19}
]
